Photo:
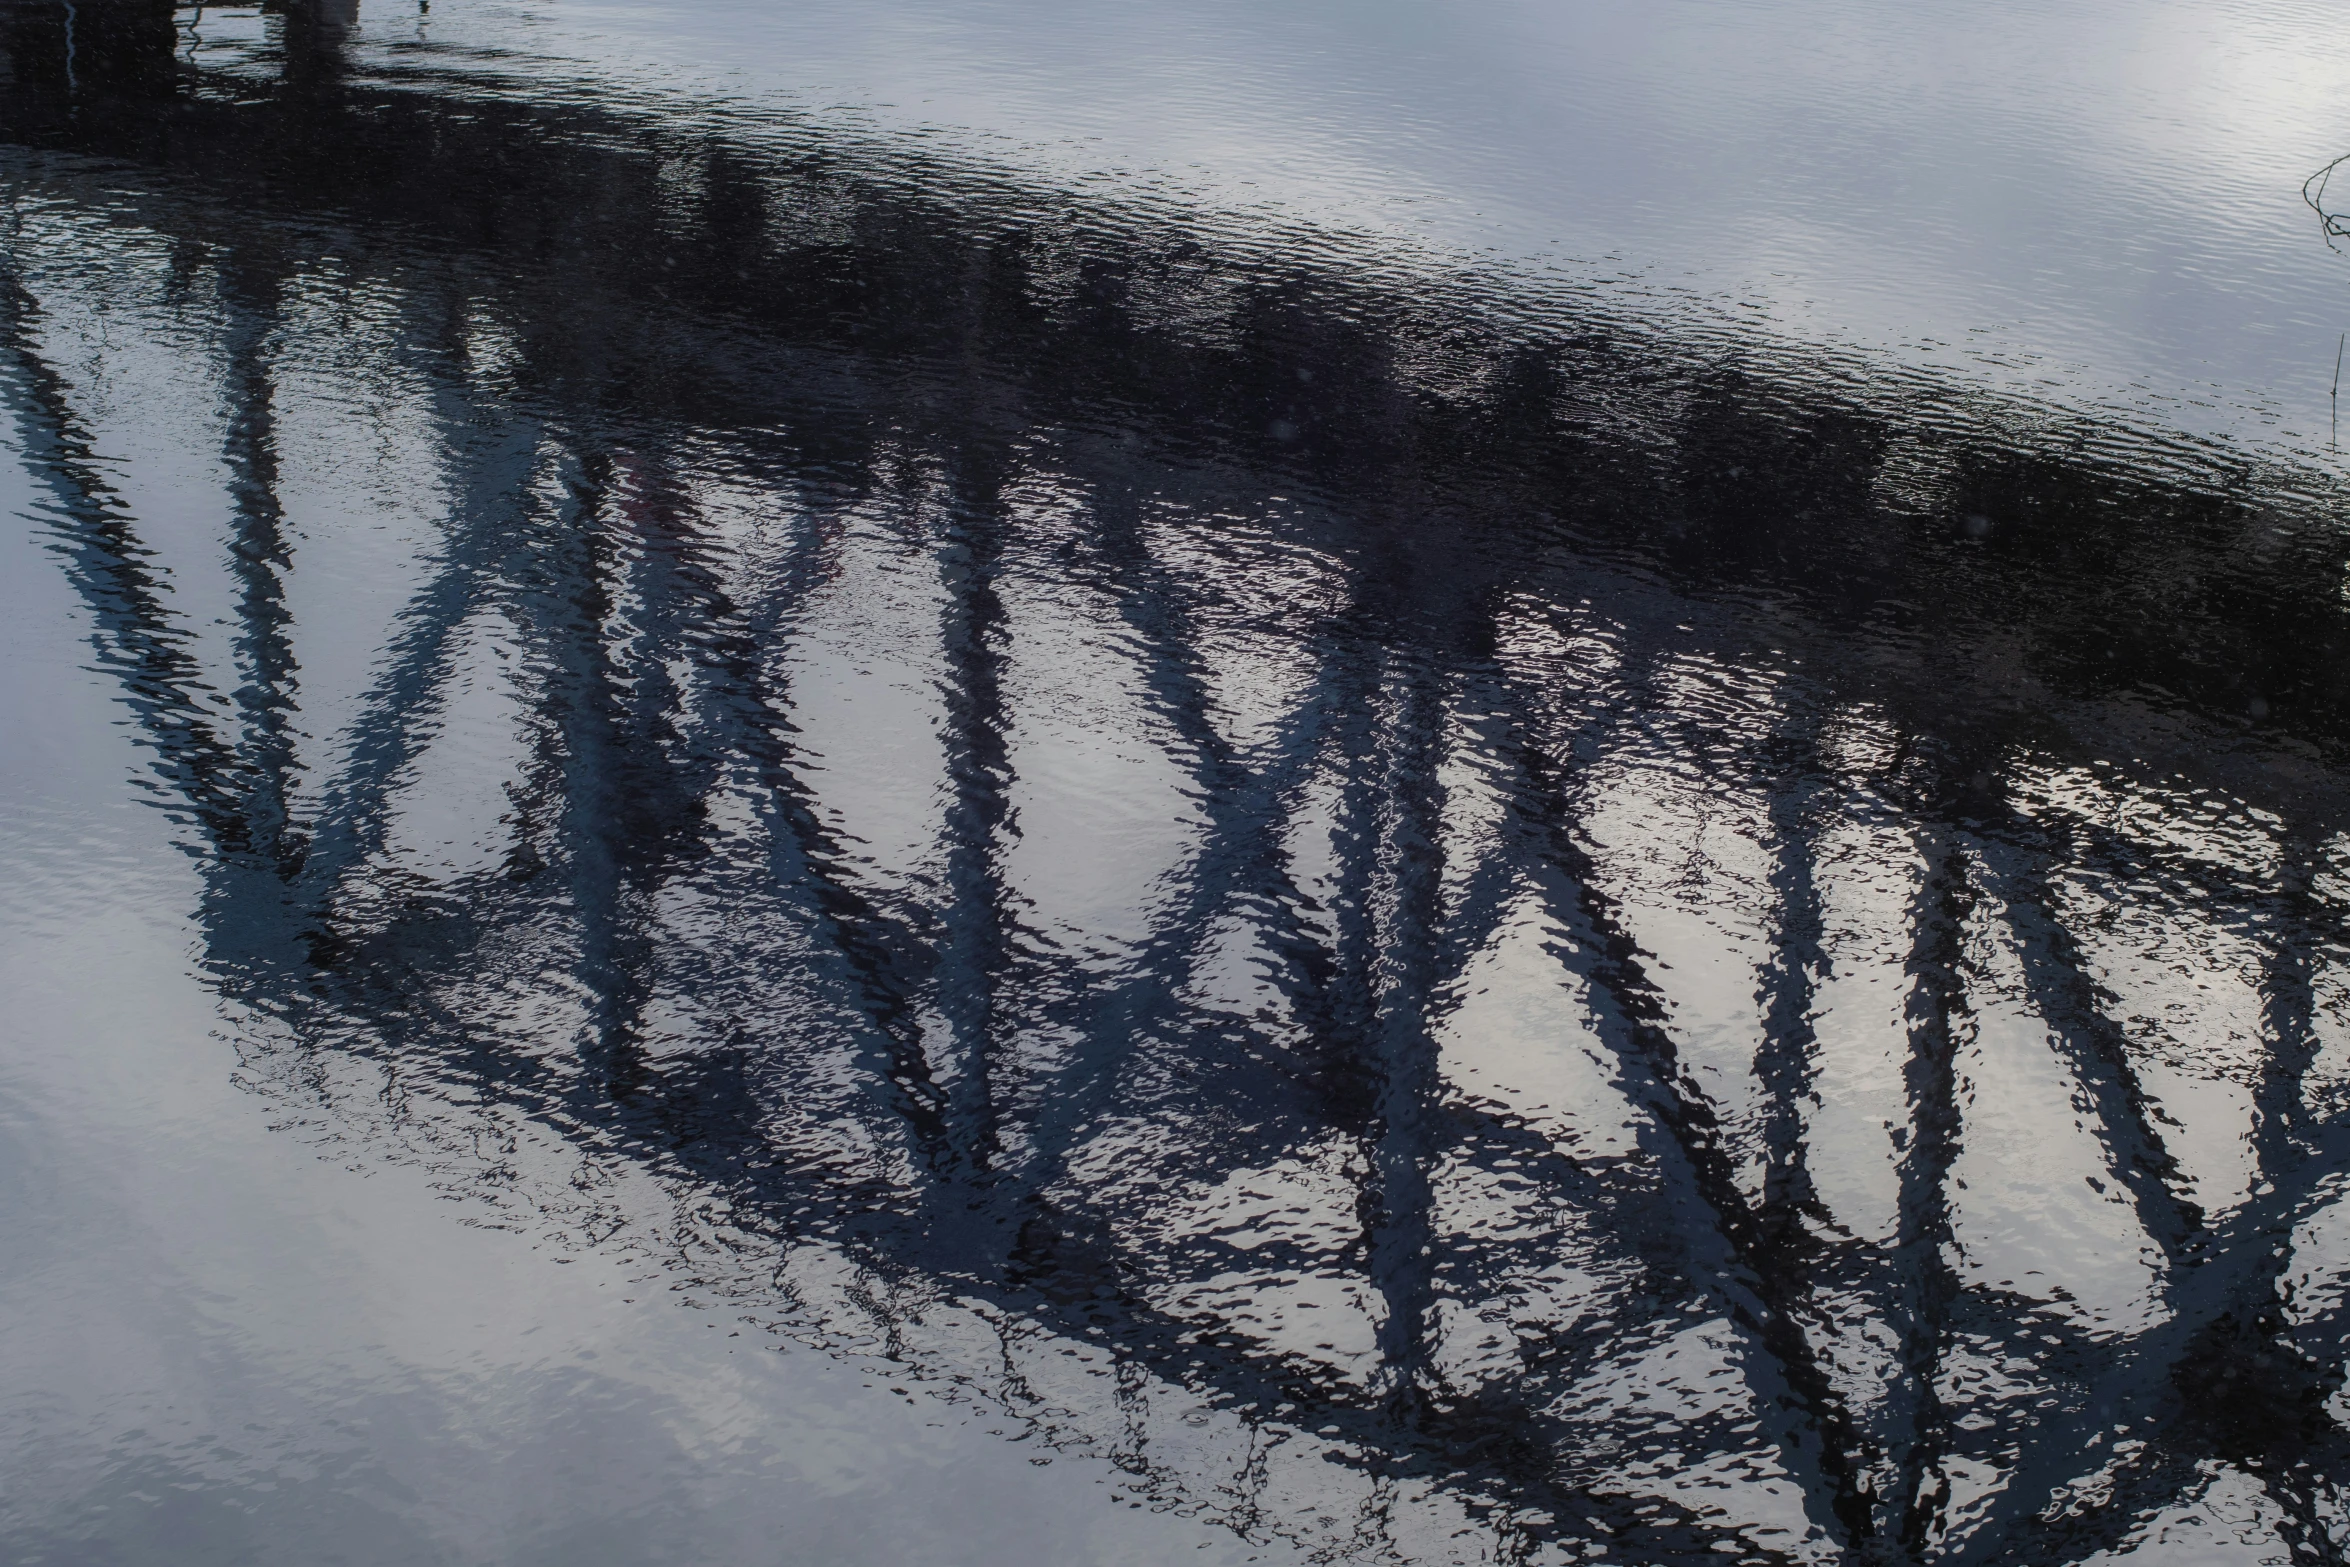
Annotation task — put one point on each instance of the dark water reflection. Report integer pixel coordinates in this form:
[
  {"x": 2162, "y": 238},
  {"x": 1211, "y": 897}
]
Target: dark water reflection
[{"x": 1453, "y": 927}]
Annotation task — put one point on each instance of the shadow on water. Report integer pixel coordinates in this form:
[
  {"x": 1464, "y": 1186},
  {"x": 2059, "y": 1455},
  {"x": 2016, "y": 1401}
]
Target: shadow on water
[{"x": 1455, "y": 929}]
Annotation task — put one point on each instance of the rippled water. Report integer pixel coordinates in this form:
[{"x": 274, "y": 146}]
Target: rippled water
[{"x": 1003, "y": 784}]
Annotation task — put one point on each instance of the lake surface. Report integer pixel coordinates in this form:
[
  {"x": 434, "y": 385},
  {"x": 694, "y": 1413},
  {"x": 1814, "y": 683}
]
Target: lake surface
[{"x": 1043, "y": 784}]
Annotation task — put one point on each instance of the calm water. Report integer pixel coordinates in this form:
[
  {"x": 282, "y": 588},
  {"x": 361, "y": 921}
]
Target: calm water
[{"x": 1014, "y": 783}]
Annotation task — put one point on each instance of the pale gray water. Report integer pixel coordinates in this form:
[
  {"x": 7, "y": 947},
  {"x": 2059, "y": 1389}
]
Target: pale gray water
[
  {"x": 1041, "y": 784},
  {"x": 2091, "y": 201},
  {"x": 233, "y": 1337}
]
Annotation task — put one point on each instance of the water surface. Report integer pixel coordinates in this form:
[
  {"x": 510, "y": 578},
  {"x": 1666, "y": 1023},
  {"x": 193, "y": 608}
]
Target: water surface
[{"x": 996, "y": 784}]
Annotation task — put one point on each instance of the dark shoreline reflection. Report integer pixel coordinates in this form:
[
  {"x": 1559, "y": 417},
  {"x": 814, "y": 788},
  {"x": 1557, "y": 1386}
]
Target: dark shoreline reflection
[{"x": 1058, "y": 780}]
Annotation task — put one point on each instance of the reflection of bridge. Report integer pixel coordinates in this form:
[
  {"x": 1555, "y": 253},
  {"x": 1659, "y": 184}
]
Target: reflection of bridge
[{"x": 1449, "y": 1026}]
